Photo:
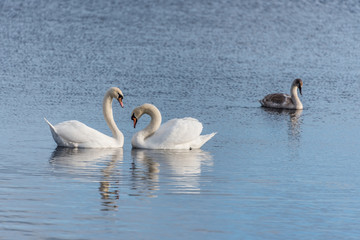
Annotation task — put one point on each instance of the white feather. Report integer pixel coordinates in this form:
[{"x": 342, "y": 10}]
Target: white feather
[{"x": 183, "y": 133}]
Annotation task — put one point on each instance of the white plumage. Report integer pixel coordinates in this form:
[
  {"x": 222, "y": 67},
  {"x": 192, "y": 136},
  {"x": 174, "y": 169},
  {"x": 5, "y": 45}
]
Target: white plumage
[
  {"x": 177, "y": 133},
  {"x": 75, "y": 134}
]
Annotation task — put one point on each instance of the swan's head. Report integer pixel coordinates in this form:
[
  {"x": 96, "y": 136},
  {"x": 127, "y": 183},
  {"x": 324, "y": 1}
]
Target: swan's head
[
  {"x": 136, "y": 114},
  {"x": 116, "y": 93},
  {"x": 298, "y": 83},
  {"x": 146, "y": 108}
]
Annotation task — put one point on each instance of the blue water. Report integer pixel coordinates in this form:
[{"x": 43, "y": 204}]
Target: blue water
[{"x": 265, "y": 175}]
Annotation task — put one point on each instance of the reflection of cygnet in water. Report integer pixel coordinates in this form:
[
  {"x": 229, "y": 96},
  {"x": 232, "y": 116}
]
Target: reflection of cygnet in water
[
  {"x": 294, "y": 118},
  {"x": 183, "y": 167},
  {"x": 278, "y": 111},
  {"x": 294, "y": 123}
]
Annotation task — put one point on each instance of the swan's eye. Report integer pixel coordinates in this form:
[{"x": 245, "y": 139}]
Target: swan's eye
[
  {"x": 120, "y": 96},
  {"x": 133, "y": 116}
]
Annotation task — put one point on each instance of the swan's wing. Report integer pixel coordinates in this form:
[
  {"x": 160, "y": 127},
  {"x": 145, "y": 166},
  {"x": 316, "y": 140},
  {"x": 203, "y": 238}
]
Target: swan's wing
[
  {"x": 77, "y": 132},
  {"x": 276, "y": 100},
  {"x": 177, "y": 131}
]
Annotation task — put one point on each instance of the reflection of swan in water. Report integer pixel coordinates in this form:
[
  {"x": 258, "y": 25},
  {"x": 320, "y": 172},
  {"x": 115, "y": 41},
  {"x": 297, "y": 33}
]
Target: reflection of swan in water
[
  {"x": 90, "y": 165},
  {"x": 295, "y": 122},
  {"x": 179, "y": 169}
]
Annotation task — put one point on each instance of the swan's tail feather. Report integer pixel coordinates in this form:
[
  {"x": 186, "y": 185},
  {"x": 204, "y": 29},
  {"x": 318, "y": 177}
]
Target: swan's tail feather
[
  {"x": 55, "y": 135},
  {"x": 207, "y": 137},
  {"x": 51, "y": 126},
  {"x": 202, "y": 140},
  {"x": 262, "y": 102}
]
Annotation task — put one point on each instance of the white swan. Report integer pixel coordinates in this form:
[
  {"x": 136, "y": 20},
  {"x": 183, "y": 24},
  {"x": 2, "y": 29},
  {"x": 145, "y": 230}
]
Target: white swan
[
  {"x": 281, "y": 100},
  {"x": 181, "y": 133},
  {"x": 75, "y": 134}
]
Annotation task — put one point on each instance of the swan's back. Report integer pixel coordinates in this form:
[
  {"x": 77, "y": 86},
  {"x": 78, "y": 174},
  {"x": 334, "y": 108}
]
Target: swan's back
[
  {"x": 277, "y": 100},
  {"x": 179, "y": 130}
]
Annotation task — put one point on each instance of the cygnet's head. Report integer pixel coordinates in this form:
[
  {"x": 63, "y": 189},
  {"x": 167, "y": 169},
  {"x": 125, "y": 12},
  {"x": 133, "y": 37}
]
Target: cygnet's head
[{"x": 298, "y": 83}]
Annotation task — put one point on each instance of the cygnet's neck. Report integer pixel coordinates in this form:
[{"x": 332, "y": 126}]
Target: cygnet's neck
[
  {"x": 295, "y": 98},
  {"x": 109, "y": 117}
]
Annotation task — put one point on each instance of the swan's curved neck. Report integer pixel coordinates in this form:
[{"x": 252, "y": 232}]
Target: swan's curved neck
[
  {"x": 154, "y": 123},
  {"x": 109, "y": 117},
  {"x": 295, "y": 98}
]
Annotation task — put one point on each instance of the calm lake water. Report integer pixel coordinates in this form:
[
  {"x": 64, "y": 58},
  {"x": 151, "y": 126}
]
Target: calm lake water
[{"x": 265, "y": 175}]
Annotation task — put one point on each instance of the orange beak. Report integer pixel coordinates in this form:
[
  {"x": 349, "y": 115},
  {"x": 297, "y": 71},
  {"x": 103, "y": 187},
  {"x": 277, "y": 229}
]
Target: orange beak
[
  {"x": 121, "y": 102},
  {"x": 135, "y": 121}
]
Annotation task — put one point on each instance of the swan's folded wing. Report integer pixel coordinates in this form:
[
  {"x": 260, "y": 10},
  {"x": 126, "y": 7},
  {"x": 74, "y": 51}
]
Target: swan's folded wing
[
  {"x": 276, "y": 100},
  {"x": 178, "y": 131},
  {"x": 76, "y": 132}
]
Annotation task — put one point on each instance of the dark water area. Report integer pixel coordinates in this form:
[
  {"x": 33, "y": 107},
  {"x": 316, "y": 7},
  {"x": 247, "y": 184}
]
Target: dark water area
[{"x": 267, "y": 174}]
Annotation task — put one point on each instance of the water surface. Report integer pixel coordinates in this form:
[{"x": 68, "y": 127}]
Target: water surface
[{"x": 265, "y": 175}]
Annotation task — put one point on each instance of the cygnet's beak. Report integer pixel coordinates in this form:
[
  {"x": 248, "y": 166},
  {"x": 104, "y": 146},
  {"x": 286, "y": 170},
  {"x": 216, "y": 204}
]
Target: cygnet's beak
[
  {"x": 121, "y": 102},
  {"x": 134, "y": 119},
  {"x": 300, "y": 90}
]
